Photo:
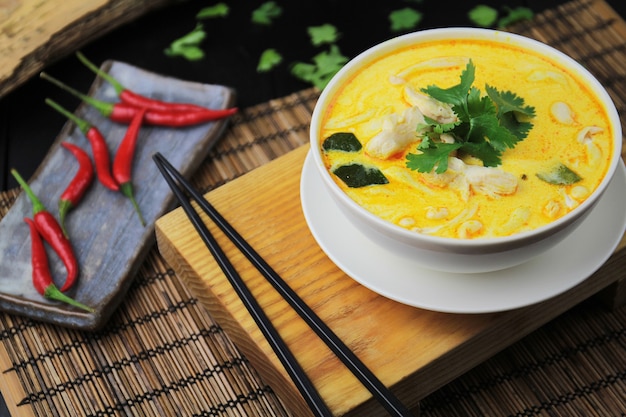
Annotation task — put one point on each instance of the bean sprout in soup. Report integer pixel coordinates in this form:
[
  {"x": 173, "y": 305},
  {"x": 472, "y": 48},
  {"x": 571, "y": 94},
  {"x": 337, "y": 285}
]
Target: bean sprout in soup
[{"x": 382, "y": 117}]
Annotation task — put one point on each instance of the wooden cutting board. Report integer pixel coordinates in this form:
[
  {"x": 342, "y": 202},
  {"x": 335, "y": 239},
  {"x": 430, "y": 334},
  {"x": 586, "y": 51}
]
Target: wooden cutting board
[{"x": 413, "y": 351}]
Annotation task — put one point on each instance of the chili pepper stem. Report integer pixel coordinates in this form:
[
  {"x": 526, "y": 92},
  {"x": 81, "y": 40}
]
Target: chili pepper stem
[
  {"x": 127, "y": 190},
  {"x": 37, "y": 204},
  {"x": 103, "y": 107},
  {"x": 117, "y": 86},
  {"x": 83, "y": 125},
  {"x": 64, "y": 207},
  {"x": 53, "y": 293}
]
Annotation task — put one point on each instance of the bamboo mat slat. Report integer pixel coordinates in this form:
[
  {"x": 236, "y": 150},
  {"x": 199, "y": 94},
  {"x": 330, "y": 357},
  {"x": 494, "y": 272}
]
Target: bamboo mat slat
[{"x": 162, "y": 354}]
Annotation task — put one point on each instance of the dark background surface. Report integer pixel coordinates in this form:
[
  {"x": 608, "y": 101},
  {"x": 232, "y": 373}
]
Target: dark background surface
[{"x": 233, "y": 46}]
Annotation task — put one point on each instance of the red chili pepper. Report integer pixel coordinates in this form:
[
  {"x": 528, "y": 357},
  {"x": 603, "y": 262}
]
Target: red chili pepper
[
  {"x": 52, "y": 233},
  {"x": 135, "y": 99},
  {"x": 124, "y": 113},
  {"x": 42, "y": 278},
  {"x": 79, "y": 184},
  {"x": 98, "y": 146},
  {"x": 123, "y": 162}
]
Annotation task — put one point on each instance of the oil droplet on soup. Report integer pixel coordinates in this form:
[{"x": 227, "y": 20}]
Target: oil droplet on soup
[{"x": 383, "y": 106}]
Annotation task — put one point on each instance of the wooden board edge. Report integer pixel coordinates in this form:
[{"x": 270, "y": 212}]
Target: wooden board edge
[{"x": 273, "y": 375}]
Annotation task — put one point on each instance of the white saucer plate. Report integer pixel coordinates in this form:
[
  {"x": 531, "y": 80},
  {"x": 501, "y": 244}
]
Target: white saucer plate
[{"x": 403, "y": 280}]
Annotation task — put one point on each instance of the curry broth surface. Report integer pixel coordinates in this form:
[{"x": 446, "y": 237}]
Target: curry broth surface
[{"x": 360, "y": 106}]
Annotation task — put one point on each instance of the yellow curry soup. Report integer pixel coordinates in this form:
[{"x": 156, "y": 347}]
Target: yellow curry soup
[{"x": 570, "y": 127}]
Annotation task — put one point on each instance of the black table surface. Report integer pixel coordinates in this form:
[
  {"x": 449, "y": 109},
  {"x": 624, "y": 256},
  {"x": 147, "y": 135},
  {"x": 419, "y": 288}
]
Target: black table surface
[{"x": 232, "y": 46}]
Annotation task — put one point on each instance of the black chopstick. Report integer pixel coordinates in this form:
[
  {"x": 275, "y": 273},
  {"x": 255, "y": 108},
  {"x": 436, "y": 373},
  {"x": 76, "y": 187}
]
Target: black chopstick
[
  {"x": 295, "y": 371},
  {"x": 343, "y": 352}
]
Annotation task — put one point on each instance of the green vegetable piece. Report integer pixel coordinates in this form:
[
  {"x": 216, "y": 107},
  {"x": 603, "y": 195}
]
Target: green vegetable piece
[
  {"x": 218, "y": 10},
  {"x": 188, "y": 45},
  {"x": 515, "y": 15},
  {"x": 356, "y": 175},
  {"x": 323, "y": 34},
  {"x": 486, "y": 126},
  {"x": 325, "y": 65},
  {"x": 404, "y": 19},
  {"x": 342, "y": 141},
  {"x": 266, "y": 13},
  {"x": 268, "y": 60},
  {"x": 560, "y": 174},
  {"x": 483, "y": 15},
  {"x": 431, "y": 157}
]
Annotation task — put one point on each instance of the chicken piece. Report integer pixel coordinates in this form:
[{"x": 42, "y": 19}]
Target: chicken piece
[
  {"x": 398, "y": 131},
  {"x": 594, "y": 153},
  {"x": 434, "y": 109},
  {"x": 489, "y": 181},
  {"x": 454, "y": 177},
  {"x": 586, "y": 134},
  {"x": 562, "y": 112}
]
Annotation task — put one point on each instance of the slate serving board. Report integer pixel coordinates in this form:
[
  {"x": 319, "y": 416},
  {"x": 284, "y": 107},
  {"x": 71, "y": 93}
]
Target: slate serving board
[{"x": 108, "y": 238}]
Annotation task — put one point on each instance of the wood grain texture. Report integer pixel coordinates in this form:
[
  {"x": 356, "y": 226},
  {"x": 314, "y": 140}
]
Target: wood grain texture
[
  {"x": 35, "y": 33},
  {"x": 413, "y": 351}
]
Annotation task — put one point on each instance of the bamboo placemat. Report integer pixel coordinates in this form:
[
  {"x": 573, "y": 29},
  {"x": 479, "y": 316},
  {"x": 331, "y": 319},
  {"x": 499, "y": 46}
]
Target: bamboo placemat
[{"x": 162, "y": 354}]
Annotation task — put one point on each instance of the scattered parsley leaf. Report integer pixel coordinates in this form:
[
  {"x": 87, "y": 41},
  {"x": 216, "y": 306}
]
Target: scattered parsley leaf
[
  {"x": 483, "y": 15},
  {"x": 266, "y": 13},
  {"x": 323, "y": 34},
  {"x": 515, "y": 15},
  {"x": 188, "y": 45},
  {"x": 268, "y": 60},
  {"x": 218, "y": 10},
  {"x": 404, "y": 19},
  {"x": 486, "y": 127},
  {"x": 325, "y": 65}
]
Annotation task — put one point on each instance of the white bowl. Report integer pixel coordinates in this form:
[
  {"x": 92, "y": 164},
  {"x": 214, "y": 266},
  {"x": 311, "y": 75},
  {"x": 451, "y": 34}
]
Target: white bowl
[{"x": 451, "y": 254}]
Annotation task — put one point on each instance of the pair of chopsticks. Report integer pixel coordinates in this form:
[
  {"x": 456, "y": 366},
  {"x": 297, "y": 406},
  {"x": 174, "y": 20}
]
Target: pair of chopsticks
[{"x": 176, "y": 181}]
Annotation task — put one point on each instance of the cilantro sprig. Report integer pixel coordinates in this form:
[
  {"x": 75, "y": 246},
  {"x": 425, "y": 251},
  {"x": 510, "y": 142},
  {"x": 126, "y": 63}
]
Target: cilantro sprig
[{"x": 486, "y": 126}]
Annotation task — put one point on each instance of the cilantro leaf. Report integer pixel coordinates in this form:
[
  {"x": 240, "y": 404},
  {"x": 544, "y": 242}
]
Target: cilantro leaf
[
  {"x": 404, "y": 19},
  {"x": 325, "y": 65},
  {"x": 510, "y": 108},
  {"x": 508, "y": 101},
  {"x": 323, "y": 34},
  {"x": 218, "y": 10},
  {"x": 515, "y": 15},
  {"x": 188, "y": 45},
  {"x": 268, "y": 60},
  {"x": 483, "y": 15},
  {"x": 266, "y": 13},
  {"x": 455, "y": 95},
  {"x": 431, "y": 157},
  {"x": 486, "y": 16},
  {"x": 486, "y": 127}
]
